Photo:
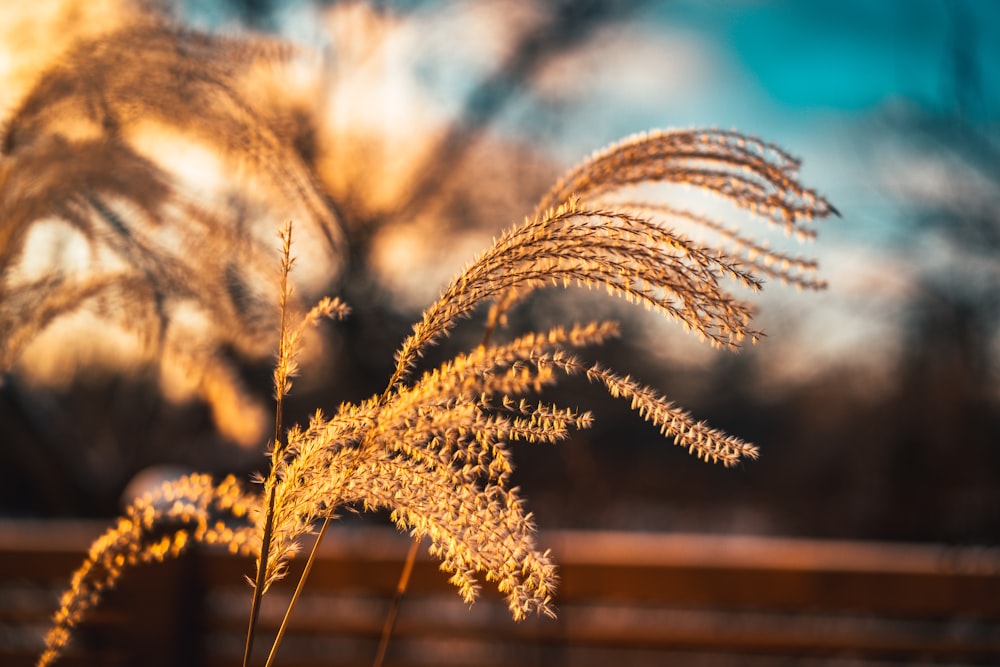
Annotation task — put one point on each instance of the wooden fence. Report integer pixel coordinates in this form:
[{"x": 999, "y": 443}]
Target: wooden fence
[{"x": 625, "y": 599}]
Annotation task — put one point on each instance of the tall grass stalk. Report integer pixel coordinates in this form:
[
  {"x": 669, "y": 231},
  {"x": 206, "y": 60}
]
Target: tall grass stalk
[{"x": 434, "y": 448}]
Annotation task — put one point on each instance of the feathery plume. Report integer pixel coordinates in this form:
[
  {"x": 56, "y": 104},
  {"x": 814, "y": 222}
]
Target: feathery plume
[
  {"x": 434, "y": 449},
  {"x": 154, "y": 527}
]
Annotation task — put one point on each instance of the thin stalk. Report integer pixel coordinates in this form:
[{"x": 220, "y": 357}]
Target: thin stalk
[
  {"x": 298, "y": 591},
  {"x": 397, "y": 598},
  {"x": 280, "y": 389},
  {"x": 258, "y": 586},
  {"x": 309, "y": 563},
  {"x": 411, "y": 555}
]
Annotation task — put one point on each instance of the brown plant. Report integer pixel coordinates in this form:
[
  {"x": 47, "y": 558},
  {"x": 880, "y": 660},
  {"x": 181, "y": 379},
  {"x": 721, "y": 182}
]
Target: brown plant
[{"x": 433, "y": 448}]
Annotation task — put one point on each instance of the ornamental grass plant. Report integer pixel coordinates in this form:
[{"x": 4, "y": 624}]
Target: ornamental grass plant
[{"x": 433, "y": 448}]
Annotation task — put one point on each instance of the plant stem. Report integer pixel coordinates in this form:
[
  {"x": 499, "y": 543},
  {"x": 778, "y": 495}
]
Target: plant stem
[
  {"x": 258, "y": 587},
  {"x": 390, "y": 619},
  {"x": 280, "y": 389},
  {"x": 411, "y": 555},
  {"x": 259, "y": 582},
  {"x": 298, "y": 591}
]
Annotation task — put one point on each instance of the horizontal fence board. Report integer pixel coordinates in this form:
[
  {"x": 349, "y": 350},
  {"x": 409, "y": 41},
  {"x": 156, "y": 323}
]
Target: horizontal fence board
[{"x": 624, "y": 598}]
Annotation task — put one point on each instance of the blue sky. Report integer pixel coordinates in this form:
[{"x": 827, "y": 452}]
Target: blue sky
[
  {"x": 851, "y": 54},
  {"x": 827, "y": 80}
]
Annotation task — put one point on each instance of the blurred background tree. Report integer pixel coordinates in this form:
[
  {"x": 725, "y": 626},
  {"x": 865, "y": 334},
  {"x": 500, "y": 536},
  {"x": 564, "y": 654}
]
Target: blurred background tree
[{"x": 441, "y": 122}]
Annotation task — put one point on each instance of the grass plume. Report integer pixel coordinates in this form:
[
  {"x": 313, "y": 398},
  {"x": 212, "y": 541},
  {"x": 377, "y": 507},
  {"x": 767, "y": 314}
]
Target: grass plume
[
  {"x": 434, "y": 447},
  {"x": 156, "y": 526}
]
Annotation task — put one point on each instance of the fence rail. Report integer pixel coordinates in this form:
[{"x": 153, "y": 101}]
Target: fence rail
[{"x": 625, "y": 599}]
